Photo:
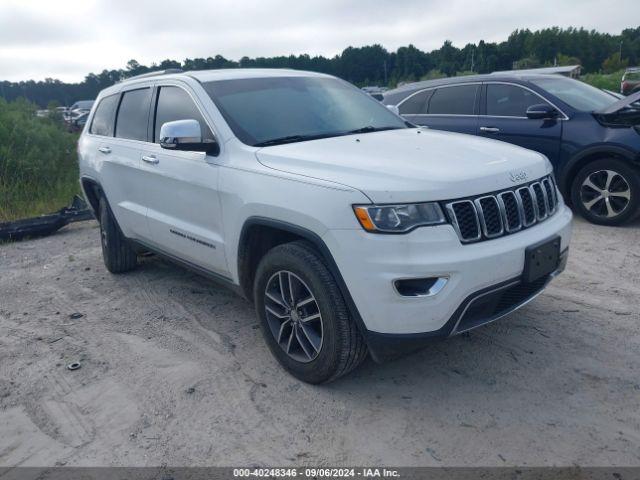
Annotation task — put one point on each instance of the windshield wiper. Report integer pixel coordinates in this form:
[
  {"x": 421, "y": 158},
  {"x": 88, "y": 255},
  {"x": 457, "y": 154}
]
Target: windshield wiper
[
  {"x": 370, "y": 128},
  {"x": 293, "y": 139},
  {"x": 302, "y": 138}
]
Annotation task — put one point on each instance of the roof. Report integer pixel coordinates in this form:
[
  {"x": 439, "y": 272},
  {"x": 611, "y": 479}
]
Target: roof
[
  {"x": 227, "y": 74},
  {"x": 392, "y": 97},
  {"x": 544, "y": 70},
  {"x": 210, "y": 75}
]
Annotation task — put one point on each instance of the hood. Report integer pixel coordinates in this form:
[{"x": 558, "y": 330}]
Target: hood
[
  {"x": 621, "y": 113},
  {"x": 410, "y": 165},
  {"x": 620, "y": 104}
]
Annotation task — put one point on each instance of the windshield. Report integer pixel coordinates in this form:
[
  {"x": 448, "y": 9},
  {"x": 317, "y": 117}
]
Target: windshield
[
  {"x": 270, "y": 111},
  {"x": 575, "y": 93}
]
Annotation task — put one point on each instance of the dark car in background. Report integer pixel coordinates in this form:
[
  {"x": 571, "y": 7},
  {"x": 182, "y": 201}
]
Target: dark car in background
[{"x": 591, "y": 137}]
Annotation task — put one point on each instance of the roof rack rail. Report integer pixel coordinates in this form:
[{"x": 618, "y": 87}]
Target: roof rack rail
[{"x": 155, "y": 73}]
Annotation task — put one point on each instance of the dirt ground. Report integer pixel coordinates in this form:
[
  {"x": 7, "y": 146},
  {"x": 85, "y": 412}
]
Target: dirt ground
[{"x": 175, "y": 372}]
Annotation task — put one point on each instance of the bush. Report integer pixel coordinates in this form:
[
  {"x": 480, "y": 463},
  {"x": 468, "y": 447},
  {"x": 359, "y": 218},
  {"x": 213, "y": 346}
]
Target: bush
[
  {"x": 609, "y": 81},
  {"x": 38, "y": 166},
  {"x": 614, "y": 63}
]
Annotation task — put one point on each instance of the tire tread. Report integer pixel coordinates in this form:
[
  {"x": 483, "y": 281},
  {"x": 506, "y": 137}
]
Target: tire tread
[
  {"x": 119, "y": 256},
  {"x": 353, "y": 349}
]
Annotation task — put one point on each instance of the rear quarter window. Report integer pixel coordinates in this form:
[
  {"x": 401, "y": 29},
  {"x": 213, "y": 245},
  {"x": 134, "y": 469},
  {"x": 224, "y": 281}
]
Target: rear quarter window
[
  {"x": 415, "y": 104},
  {"x": 102, "y": 123}
]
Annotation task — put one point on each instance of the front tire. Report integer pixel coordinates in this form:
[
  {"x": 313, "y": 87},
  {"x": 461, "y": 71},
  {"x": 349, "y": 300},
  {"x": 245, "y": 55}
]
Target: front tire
[
  {"x": 606, "y": 192},
  {"x": 118, "y": 255},
  {"x": 303, "y": 315}
]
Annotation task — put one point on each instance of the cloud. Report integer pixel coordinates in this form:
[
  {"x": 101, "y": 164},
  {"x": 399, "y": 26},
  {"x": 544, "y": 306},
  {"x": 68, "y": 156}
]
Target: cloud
[{"x": 67, "y": 39}]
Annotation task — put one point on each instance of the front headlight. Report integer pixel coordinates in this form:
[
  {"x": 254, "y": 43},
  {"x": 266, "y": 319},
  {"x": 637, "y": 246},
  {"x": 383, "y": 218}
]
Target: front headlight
[{"x": 398, "y": 218}]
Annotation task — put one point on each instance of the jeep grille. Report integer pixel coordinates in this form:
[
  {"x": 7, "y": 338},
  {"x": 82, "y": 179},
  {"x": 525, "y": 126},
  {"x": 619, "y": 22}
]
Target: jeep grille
[{"x": 489, "y": 216}]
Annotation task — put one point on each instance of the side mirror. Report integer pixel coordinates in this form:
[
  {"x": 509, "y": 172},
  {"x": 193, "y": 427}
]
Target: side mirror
[
  {"x": 394, "y": 109},
  {"x": 543, "y": 111},
  {"x": 185, "y": 135}
]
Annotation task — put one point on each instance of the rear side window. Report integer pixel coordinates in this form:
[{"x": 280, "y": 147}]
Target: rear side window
[
  {"x": 102, "y": 123},
  {"x": 133, "y": 114},
  {"x": 459, "y": 100},
  {"x": 510, "y": 100},
  {"x": 176, "y": 104},
  {"x": 416, "y": 104}
]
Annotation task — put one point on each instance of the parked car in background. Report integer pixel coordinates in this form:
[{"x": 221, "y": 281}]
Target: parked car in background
[
  {"x": 630, "y": 82},
  {"x": 77, "y": 109},
  {"x": 375, "y": 91},
  {"x": 81, "y": 106},
  {"x": 348, "y": 228},
  {"x": 591, "y": 137},
  {"x": 77, "y": 124}
]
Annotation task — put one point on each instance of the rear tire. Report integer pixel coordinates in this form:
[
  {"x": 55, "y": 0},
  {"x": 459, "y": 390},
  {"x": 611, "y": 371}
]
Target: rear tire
[
  {"x": 118, "y": 255},
  {"x": 316, "y": 341},
  {"x": 607, "y": 192}
]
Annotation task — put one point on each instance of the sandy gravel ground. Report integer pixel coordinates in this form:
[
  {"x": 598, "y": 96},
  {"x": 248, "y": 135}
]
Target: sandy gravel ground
[{"x": 175, "y": 372}]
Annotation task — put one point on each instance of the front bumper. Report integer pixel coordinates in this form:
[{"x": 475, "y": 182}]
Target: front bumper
[
  {"x": 370, "y": 263},
  {"x": 480, "y": 308}
]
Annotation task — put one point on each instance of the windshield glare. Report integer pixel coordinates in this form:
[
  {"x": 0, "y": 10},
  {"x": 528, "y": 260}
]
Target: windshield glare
[
  {"x": 260, "y": 110},
  {"x": 575, "y": 93}
]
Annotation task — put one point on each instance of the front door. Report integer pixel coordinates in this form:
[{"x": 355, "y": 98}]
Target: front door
[
  {"x": 184, "y": 215},
  {"x": 506, "y": 120}
]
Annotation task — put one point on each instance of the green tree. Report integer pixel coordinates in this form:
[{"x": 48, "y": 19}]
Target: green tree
[{"x": 614, "y": 63}]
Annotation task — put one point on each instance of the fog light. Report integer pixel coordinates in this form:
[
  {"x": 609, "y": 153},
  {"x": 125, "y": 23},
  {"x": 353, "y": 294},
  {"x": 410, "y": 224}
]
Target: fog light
[{"x": 420, "y": 287}]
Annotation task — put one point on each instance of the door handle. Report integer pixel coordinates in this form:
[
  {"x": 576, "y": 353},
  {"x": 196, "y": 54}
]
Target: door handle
[
  {"x": 150, "y": 159},
  {"x": 104, "y": 150},
  {"x": 490, "y": 129}
]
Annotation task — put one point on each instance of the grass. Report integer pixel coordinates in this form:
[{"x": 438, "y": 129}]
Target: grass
[
  {"x": 24, "y": 201},
  {"x": 38, "y": 163}
]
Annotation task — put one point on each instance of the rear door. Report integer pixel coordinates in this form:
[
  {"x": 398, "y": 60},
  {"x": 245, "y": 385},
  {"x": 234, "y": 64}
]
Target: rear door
[
  {"x": 119, "y": 156},
  {"x": 504, "y": 118},
  {"x": 448, "y": 107},
  {"x": 184, "y": 214}
]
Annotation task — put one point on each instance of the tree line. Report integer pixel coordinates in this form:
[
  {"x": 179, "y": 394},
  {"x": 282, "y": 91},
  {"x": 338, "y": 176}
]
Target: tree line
[{"x": 374, "y": 65}]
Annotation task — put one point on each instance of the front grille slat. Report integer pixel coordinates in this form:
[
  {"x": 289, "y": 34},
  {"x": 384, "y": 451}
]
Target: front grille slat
[
  {"x": 550, "y": 190},
  {"x": 465, "y": 220},
  {"x": 512, "y": 211},
  {"x": 528, "y": 210},
  {"x": 494, "y": 215},
  {"x": 540, "y": 201},
  {"x": 490, "y": 216}
]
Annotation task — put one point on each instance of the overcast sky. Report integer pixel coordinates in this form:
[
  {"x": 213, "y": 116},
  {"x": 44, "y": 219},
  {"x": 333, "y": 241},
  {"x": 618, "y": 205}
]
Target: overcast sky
[{"x": 67, "y": 39}]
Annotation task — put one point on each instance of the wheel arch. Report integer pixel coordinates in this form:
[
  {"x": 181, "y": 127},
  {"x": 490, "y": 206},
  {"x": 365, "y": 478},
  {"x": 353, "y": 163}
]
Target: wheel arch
[
  {"x": 260, "y": 234},
  {"x": 588, "y": 155},
  {"x": 92, "y": 192}
]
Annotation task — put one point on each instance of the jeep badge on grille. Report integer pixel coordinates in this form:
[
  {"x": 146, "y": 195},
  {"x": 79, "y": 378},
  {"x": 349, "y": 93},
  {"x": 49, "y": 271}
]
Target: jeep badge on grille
[{"x": 520, "y": 176}]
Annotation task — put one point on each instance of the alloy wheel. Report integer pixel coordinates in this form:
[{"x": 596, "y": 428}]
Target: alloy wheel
[
  {"x": 605, "y": 193},
  {"x": 293, "y": 316}
]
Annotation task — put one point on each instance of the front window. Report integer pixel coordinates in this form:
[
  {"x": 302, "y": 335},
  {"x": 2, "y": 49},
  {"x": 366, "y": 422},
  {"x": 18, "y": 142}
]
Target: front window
[
  {"x": 505, "y": 100},
  {"x": 575, "y": 93},
  {"x": 270, "y": 111}
]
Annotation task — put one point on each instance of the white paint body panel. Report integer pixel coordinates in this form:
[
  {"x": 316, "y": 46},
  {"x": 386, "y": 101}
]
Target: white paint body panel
[{"x": 314, "y": 185}]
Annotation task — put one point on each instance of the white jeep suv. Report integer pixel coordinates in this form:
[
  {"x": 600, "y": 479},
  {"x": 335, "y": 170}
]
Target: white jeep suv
[{"x": 351, "y": 230}]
